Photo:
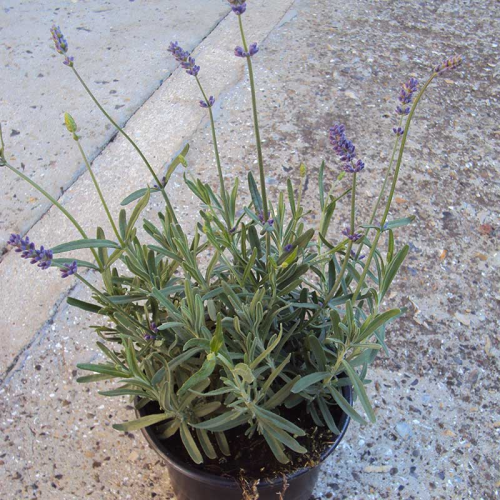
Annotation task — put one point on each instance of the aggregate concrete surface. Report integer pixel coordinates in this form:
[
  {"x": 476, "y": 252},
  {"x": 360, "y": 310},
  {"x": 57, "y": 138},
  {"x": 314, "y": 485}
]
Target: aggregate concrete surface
[
  {"x": 321, "y": 61},
  {"x": 119, "y": 47}
]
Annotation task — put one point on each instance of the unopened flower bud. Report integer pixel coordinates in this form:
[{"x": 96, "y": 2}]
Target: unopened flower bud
[
  {"x": 303, "y": 170},
  {"x": 70, "y": 123}
]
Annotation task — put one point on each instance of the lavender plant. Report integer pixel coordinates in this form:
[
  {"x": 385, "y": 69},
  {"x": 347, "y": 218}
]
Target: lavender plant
[{"x": 282, "y": 315}]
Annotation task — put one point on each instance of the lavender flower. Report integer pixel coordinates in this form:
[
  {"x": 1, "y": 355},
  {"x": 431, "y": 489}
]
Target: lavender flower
[
  {"x": 345, "y": 149},
  {"x": 398, "y": 130},
  {"x": 353, "y": 255},
  {"x": 68, "y": 270},
  {"x": 351, "y": 235},
  {"x": 61, "y": 45},
  {"x": 238, "y": 6},
  {"x": 154, "y": 329},
  {"x": 163, "y": 183},
  {"x": 252, "y": 50},
  {"x": 406, "y": 96},
  {"x": 184, "y": 57},
  {"x": 41, "y": 257},
  {"x": 209, "y": 104},
  {"x": 449, "y": 64},
  {"x": 288, "y": 248}
]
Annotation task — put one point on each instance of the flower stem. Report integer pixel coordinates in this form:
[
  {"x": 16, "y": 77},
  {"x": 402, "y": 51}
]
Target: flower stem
[
  {"x": 99, "y": 192},
  {"x": 134, "y": 145},
  {"x": 57, "y": 204},
  {"x": 217, "y": 156},
  {"x": 393, "y": 186},
  {"x": 338, "y": 280},
  {"x": 382, "y": 190},
  {"x": 256, "y": 125}
]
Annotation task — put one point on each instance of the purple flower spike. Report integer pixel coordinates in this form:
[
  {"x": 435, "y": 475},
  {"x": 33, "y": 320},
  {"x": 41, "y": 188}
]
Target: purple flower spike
[
  {"x": 184, "y": 58},
  {"x": 209, "y": 104},
  {"x": 449, "y": 64},
  {"x": 351, "y": 235},
  {"x": 252, "y": 50},
  {"x": 238, "y": 6},
  {"x": 406, "y": 96},
  {"x": 239, "y": 52},
  {"x": 59, "y": 40},
  {"x": 345, "y": 149},
  {"x": 69, "y": 270},
  {"x": 41, "y": 257},
  {"x": 398, "y": 131},
  {"x": 61, "y": 45}
]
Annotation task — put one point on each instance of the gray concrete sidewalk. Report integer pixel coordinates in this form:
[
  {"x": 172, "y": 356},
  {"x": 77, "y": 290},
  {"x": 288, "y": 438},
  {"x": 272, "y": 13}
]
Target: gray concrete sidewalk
[
  {"x": 321, "y": 61},
  {"x": 119, "y": 48}
]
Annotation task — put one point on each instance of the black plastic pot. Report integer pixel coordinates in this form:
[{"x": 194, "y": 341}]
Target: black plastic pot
[{"x": 190, "y": 483}]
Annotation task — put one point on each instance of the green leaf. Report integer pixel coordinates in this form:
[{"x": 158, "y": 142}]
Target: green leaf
[
  {"x": 103, "y": 369},
  {"x": 309, "y": 380},
  {"x": 85, "y": 243},
  {"x": 371, "y": 326},
  {"x": 122, "y": 392},
  {"x": 321, "y": 185},
  {"x": 136, "y": 195},
  {"x": 244, "y": 372},
  {"x": 392, "y": 269},
  {"x": 360, "y": 390},
  {"x": 223, "y": 422},
  {"x": 291, "y": 196},
  {"x": 318, "y": 351},
  {"x": 276, "y": 447},
  {"x": 345, "y": 406},
  {"x": 283, "y": 437},
  {"x": 206, "y": 443},
  {"x": 86, "y": 306},
  {"x": 93, "y": 378},
  {"x": 143, "y": 203},
  {"x": 327, "y": 416},
  {"x": 202, "y": 374},
  {"x": 140, "y": 423},
  {"x": 218, "y": 339},
  {"x": 64, "y": 261},
  {"x": 278, "y": 421},
  {"x": 393, "y": 224},
  {"x": 254, "y": 192}
]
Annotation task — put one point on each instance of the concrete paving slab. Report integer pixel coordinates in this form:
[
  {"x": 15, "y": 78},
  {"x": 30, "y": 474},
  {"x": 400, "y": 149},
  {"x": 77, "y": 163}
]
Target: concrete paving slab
[
  {"x": 120, "y": 50},
  {"x": 436, "y": 397},
  {"x": 161, "y": 128}
]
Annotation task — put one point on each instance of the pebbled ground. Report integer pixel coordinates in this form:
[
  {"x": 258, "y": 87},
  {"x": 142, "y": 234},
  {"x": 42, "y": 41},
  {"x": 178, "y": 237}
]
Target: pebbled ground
[{"x": 436, "y": 396}]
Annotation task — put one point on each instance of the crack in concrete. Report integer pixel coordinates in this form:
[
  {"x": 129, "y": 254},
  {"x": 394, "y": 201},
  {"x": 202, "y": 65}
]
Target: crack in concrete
[
  {"x": 22, "y": 355},
  {"x": 5, "y": 249}
]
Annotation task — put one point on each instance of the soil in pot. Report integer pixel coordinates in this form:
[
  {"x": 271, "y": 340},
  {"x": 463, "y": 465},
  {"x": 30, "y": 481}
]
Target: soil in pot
[{"x": 251, "y": 459}]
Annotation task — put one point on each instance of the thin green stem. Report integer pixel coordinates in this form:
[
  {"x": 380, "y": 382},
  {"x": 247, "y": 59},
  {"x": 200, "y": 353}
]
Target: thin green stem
[
  {"x": 256, "y": 125},
  {"x": 393, "y": 187},
  {"x": 217, "y": 156},
  {"x": 347, "y": 256},
  {"x": 134, "y": 145},
  {"x": 106, "y": 299},
  {"x": 382, "y": 190},
  {"x": 99, "y": 192},
  {"x": 57, "y": 204}
]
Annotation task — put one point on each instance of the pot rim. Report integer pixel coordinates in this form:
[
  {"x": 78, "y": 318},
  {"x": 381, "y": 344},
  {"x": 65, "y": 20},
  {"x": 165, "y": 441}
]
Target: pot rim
[{"x": 205, "y": 477}]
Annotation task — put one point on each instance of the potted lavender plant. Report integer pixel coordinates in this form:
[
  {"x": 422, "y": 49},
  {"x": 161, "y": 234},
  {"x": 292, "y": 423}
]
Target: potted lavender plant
[{"x": 243, "y": 371}]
